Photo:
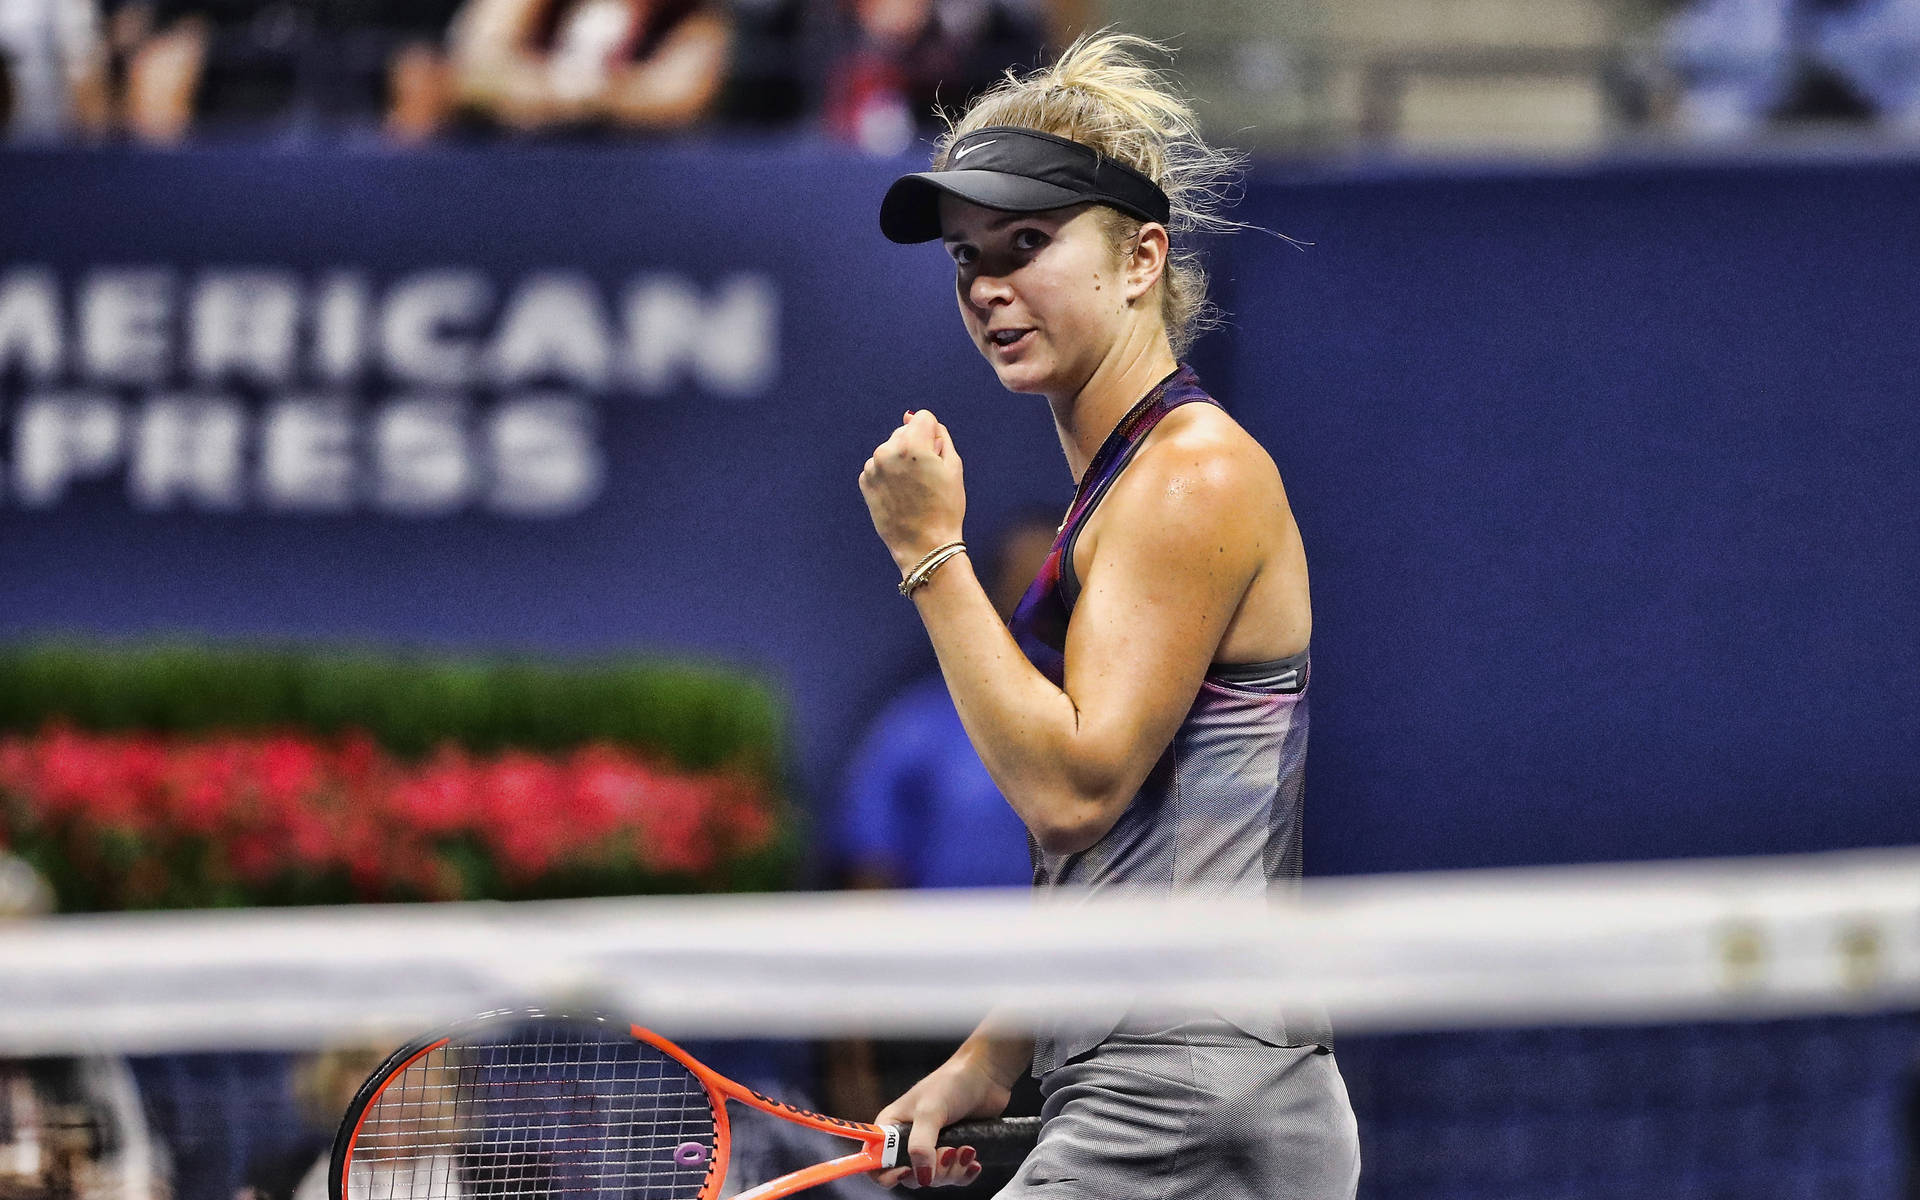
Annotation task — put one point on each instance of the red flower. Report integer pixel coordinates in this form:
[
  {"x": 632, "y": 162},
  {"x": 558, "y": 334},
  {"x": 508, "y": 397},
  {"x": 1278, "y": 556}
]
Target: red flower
[
  {"x": 607, "y": 790},
  {"x": 17, "y": 767},
  {"x": 359, "y": 759},
  {"x": 290, "y": 772},
  {"x": 674, "y": 828},
  {"x": 526, "y": 819},
  {"x": 146, "y": 820},
  {"x": 441, "y": 798},
  {"x": 77, "y": 773},
  {"x": 200, "y": 794}
]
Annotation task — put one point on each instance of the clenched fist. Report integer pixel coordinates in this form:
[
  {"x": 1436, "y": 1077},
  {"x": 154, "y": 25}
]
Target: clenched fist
[{"x": 914, "y": 489}]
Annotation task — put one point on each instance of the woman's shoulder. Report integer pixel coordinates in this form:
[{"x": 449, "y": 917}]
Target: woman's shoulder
[
  {"x": 1200, "y": 449},
  {"x": 1196, "y": 477}
]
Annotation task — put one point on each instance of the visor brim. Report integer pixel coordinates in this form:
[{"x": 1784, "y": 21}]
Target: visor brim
[{"x": 911, "y": 210}]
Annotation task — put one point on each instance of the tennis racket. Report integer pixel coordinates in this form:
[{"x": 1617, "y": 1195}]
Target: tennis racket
[{"x": 525, "y": 1104}]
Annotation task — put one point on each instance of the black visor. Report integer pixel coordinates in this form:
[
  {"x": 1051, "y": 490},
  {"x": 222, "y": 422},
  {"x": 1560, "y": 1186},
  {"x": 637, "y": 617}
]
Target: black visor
[{"x": 1009, "y": 169}]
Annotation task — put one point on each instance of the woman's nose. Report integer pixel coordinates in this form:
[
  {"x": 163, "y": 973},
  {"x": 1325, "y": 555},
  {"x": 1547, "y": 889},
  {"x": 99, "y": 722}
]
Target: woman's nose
[{"x": 986, "y": 289}]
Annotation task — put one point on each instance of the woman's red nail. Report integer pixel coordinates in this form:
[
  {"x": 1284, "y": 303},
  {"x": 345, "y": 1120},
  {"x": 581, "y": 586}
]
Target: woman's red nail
[
  {"x": 966, "y": 1156},
  {"x": 946, "y": 1156},
  {"x": 924, "y": 1175}
]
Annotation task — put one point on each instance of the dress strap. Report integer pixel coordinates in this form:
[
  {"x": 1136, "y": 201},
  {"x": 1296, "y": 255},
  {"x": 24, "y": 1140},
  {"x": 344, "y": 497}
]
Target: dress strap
[{"x": 1113, "y": 457}]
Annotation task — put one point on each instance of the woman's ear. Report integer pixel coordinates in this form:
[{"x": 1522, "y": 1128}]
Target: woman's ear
[{"x": 1148, "y": 260}]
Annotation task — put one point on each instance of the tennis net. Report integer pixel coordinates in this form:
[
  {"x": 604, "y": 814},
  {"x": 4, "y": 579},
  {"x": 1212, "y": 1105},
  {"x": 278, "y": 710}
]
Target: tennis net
[{"x": 1727, "y": 1028}]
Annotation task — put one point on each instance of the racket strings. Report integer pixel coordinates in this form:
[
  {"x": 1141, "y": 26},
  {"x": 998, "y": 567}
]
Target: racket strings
[{"x": 536, "y": 1110}]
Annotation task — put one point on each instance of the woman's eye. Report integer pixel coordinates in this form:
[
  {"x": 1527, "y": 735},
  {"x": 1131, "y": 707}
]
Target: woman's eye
[
  {"x": 963, "y": 255},
  {"x": 1029, "y": 239}
]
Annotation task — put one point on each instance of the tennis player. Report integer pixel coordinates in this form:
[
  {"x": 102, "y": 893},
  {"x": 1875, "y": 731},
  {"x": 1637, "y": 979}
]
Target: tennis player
[{"x": 1146, "y": 714}]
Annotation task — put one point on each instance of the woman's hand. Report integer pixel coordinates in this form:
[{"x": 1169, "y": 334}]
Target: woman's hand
[
  {"x": 914, "y": 488},
  {"x": 961, "y": 1087}
]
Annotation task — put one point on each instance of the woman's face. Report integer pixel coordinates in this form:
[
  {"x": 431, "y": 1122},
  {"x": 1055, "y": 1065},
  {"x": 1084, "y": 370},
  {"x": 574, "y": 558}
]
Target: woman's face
[{"x": 1042, "y": 295}]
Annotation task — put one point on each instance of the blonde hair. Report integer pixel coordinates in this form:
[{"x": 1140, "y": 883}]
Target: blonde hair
[{"x": 1103, "y": 93}]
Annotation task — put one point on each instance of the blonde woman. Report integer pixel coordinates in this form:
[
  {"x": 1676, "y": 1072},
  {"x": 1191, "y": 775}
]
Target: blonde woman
[{"x": 1146, "y": 713}]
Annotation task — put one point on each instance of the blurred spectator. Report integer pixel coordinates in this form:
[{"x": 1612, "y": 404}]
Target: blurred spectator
[
  {"x": 390, "y": 57},
  {"x": 321, "y": 1086},
  {"x": 1733, "y": 64},
  {"x": 220, "y": 1114},
  {"x": 903, "y": 56},
  {"x": 53, "y": 79},
  {"x": 1874, "y": 45},
  {"x": 919, "y": 809},
  {"x": 73, "y": 1127},
  {"x": 231, "y": 63},
  {"x": 584, "y": 64},
  {"x": 165, "y": 55},
  {"x": 68, "y": 1126}
]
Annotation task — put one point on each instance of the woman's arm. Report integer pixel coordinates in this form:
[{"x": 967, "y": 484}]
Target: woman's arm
[
  {"x": 492, "y": 68},
  {"x": 83, "y": 58},
  {"x": 677, "y": 83},
  {"x": 1181, "y": 537},
  {"x": 163, "y": 81}
]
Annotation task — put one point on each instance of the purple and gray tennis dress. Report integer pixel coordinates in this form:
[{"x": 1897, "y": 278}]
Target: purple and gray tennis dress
[{"x": 1140, "y": 1109}]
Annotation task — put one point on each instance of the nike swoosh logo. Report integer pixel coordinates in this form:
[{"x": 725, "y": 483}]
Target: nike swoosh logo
[{"x": 960, "y": 154}]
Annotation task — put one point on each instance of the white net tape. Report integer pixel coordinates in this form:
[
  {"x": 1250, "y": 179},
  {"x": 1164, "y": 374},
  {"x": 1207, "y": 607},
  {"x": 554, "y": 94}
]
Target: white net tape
[{"x": 1801, "y": 935}]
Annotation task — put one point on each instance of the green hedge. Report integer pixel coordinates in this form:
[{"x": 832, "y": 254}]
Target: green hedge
[{"x": 699, "y": 716}]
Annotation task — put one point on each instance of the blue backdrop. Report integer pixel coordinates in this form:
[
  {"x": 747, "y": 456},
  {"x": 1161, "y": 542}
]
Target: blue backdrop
[{"x": 1607, "y": 474}]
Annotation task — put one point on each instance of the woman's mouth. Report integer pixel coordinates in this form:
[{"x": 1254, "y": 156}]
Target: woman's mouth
[{"x": 1008, "y": 339}]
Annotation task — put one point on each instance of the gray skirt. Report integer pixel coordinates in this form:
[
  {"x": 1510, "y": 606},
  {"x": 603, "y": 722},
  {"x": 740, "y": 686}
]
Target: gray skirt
[{"x": 1197, "y": 1110}]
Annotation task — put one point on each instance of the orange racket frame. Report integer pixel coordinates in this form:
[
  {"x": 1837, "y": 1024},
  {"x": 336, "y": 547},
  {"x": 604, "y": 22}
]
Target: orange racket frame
[{"x": 881, "y": 1146}]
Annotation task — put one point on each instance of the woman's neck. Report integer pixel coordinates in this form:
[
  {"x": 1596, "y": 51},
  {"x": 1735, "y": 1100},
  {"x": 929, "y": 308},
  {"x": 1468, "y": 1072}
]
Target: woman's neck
[{"x": 1085, "y": 418}]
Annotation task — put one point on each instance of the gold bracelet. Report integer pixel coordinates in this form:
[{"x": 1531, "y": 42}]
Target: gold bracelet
[
  {"x": 925, "y": 574},
  {"x": 924, "y": 569},
  {"x": 928, "y": 557}
]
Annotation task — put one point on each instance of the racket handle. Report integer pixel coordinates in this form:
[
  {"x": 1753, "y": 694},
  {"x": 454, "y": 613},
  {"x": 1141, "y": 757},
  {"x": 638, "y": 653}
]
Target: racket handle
[{"x": 998, "y": 1143}]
